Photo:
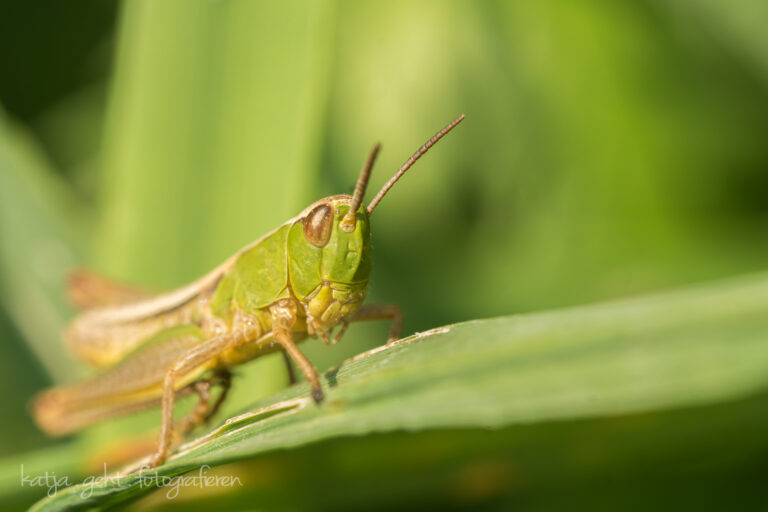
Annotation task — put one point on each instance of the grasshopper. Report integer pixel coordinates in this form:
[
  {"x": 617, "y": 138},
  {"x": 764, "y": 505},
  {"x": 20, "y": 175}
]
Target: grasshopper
[{"x": 301, "y": 280}]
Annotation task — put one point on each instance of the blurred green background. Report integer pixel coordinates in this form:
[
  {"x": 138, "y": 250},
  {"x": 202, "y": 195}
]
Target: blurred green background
[{"x": 610, "y": 149}]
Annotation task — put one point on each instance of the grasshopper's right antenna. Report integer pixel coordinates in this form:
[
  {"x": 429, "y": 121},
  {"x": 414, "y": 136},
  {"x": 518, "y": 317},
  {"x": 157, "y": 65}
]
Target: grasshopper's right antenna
[{"x": 407, "y": 165}]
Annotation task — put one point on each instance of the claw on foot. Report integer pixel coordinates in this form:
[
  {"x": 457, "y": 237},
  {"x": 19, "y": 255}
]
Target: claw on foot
[
  {"x": 156, "y": 460},
  {"x": 317, "y": 395}
]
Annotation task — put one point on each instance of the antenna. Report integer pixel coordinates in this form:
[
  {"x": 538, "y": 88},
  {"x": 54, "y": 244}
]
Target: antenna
[
  {"x": 407, "y": 165},
  {"x": 348, "y": 222}
]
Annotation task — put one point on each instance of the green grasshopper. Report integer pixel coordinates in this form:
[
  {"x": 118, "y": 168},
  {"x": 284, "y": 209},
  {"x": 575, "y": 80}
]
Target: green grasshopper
[{"x": 303, "y": 279}]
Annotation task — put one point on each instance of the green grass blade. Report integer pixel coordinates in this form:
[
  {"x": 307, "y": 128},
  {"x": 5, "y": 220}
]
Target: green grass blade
[{"x": 696, "y": 346}]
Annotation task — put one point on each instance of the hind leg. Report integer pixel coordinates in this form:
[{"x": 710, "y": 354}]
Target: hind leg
[{"x": 199, "y": 355}]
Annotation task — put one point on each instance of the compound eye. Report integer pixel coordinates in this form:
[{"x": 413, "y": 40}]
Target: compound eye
[{"x": 318, "y": 224}]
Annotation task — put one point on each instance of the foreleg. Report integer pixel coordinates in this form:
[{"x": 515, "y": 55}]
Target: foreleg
[
  {"x": 283, "y": 318},
  {"x": 377, "y": 312}
]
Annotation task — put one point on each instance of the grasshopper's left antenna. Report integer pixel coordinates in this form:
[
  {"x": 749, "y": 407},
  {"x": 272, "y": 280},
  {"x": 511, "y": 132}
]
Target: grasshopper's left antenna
[
  {"x": 407, "y": 165},
  {"x": 348, "y": 222}
]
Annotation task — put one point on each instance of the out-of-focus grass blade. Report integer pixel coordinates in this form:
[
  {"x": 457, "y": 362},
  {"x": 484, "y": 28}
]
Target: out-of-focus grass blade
[
  {"x": 742, "y": 28},
  {"x": 213, "y": 134},
  {"x": 38, "y": 228},
  {"x": 213, "y": 131},
  {"x": 696, "y": 346}
]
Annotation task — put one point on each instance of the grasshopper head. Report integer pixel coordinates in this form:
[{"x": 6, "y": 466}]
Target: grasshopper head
[
  {"x": 329, "y": 263},
  {"x": 329, "y": 245}
]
